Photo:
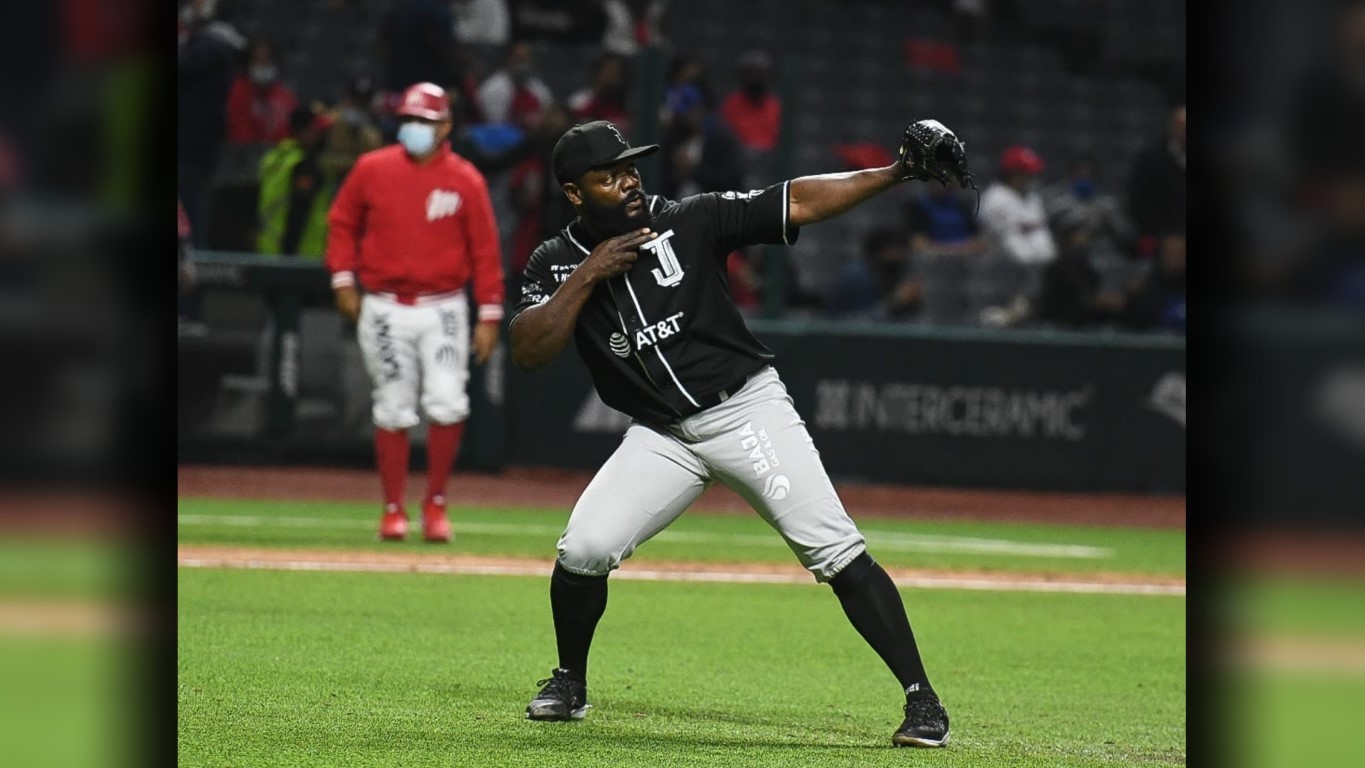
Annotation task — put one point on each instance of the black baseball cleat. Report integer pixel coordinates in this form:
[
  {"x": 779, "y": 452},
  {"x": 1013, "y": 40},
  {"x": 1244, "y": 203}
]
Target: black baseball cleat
[
  {"x": 926, "y": 723},
  {"x": 563, "y": 696}
]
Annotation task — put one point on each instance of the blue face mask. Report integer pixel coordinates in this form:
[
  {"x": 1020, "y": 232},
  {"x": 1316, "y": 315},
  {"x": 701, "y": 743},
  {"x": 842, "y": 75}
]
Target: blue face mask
[
  {"x": 417, "y": 138},
  {"x": 1083, "y": 188}
]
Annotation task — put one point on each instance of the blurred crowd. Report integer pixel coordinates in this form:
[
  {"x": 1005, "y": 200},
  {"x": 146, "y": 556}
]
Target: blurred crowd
[{"x": 1049, "y": 246}]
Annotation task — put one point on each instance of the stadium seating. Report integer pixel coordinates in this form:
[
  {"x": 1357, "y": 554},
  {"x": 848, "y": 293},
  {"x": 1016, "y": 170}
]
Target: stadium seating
[{"x": 851, "y": 79}]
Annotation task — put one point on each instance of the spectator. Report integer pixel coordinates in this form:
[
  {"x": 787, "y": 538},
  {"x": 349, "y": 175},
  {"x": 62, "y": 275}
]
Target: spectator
[
  {"x": 1077, "y": 201},
  {"x": 941, "y": 223},
  {"x": 542, "y": 209},
  {"x": 1156, "y": 183},
  {"x": 354, "y": 131},
  {"x": 491, "y": 162},
  {"x": 632, "y": 25},
  {"x": 683, "y": 71},
  {"x": 744, "y": 281},
  {"x": 1020, "y": 243},
  {"x": 752, "y": 111},
  {"x": 1158, "y": 301},
  {"x": 970, "y": 18},
  {"x": 1012, "y": 210},
  {"x": 481, "y": 23},
  {"x": 605, "y": 97},
  {"x": 417, "y": 43},
  {"x": 1072, "y": 293},
  {"x": 514, "y": 94},
  {"x": 187, "y": 304},
  {"x": 184, "y": 249},
  {"x": 260, "y": 104},
  {"x": 205, "y": 63},
  {"x": 700, "y": 153},
  {"x": 296, "y": 191},
  {"x": 879, "y": 285}
]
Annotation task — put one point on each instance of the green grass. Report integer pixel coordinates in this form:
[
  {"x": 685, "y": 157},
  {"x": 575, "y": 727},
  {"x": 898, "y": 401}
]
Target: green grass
[
  {"x": 1278, "y": 605},
  {"x": 341, "y": 669},
  {"x": 66, "y": 700},
  {"x": 697, "y": 537},
  {"x": 67, "y": 568}
]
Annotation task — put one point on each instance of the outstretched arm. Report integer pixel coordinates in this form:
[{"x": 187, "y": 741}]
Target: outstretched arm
[
  {"x": 928, "y": 151},
  {"x": 816, "y": 198}
]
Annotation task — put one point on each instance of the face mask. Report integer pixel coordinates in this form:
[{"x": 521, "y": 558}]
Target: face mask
[
  {"x": 417, "y": 138},
  {"x": 263, "y": 74},
  {"x": 1083, "y": 188}
]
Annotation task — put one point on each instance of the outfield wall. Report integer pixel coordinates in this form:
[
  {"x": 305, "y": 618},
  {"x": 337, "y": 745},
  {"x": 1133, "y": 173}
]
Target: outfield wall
[{"x": 1021, "y": 409}]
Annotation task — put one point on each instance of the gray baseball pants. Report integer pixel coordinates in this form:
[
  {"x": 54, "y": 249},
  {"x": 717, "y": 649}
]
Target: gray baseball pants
[{"x": 754, "y": 442}]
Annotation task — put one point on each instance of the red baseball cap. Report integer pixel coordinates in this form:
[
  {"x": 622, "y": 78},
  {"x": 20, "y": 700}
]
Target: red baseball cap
[
  {"x": 425, "y": 100},
  {"x": 1020, "y": 159}
]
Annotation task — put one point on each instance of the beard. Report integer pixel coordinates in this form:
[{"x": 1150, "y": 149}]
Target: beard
[{"x": 611, "y": 220}]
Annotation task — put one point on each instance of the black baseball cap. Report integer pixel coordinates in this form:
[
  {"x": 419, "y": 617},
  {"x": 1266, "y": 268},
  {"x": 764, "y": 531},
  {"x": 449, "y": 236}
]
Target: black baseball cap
[{"x": 592, "y": 145}]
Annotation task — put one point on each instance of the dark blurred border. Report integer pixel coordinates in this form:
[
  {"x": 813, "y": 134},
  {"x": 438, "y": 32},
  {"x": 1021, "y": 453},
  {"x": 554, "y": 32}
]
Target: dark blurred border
[{"x": 86, "y": 329}]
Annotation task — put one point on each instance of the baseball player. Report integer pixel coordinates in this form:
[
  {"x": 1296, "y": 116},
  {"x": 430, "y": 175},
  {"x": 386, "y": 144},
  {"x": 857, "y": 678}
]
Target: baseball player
[
  {"x": 412, "y": 225},
  {"x": 638, "y": 282}
]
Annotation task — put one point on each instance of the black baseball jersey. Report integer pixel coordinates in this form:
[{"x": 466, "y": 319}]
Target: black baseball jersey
[{"x": 662, "y": 339}]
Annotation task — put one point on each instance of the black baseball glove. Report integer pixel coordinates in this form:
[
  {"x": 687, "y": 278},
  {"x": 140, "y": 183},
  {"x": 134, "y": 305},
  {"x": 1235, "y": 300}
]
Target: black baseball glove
[{"x": 931, "y": 151}]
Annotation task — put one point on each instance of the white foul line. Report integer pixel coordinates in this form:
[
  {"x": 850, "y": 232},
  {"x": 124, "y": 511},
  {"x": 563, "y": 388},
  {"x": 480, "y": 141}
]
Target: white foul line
[
  {"x": 921, "y": 582},
  {"x": 881, "y": 540}
]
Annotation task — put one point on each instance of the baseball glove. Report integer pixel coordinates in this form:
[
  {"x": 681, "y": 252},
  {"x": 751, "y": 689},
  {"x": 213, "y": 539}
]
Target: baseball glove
[{"x": 931, "y": 151}]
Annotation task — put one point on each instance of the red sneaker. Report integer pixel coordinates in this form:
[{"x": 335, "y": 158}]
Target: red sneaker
[
  {"x": 435, "y": 525},
  {"x": 393, "y": 526}
]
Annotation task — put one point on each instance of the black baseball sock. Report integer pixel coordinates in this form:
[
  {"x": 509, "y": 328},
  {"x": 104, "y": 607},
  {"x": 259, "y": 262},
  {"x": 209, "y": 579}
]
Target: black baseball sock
[
  {"x": 873, "y": 605},
  {"x": 577, "y": 603}
]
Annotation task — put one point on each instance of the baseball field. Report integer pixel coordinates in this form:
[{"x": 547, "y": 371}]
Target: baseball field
[{"x": 303, "y": 641}]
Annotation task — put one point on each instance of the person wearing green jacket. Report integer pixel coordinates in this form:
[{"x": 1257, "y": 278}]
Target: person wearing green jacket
[{"x": 295, "y": 192}]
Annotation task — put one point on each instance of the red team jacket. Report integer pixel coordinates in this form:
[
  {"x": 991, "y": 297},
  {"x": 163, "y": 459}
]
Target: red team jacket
[{"x": 415, "y": 230}]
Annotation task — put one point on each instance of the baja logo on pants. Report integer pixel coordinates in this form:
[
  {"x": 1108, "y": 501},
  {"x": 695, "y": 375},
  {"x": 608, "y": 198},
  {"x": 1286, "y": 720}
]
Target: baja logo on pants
[
  {"x": 442, "y": 203},
  {"x": 760, "y": 450}
]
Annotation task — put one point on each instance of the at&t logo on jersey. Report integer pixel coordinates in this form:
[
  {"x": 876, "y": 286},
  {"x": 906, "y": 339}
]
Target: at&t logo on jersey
[
  {"x": 653, "y": 334},
  {"x": 620, "y": 345},
  {"x": 442, "y": 203}
]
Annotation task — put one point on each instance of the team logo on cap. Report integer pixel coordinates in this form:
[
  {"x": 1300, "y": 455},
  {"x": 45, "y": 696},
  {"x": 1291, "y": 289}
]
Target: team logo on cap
[
  {"x": 617, "y": 132},
  {"x": 620, "y": 345}
]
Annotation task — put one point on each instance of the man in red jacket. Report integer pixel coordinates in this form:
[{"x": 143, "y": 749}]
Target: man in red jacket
[{"x": 411, "y": 226}]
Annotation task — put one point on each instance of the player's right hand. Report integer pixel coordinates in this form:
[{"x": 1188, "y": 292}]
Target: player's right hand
[
  {"x": 348, "y": 302},
  {"x": 615, "y": 255}
]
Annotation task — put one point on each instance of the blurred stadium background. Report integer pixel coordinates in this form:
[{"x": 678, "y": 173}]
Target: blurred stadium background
[{"x": 942, "y": 352}]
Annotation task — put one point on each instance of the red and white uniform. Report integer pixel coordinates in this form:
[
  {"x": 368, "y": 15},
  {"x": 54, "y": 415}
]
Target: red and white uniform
[{"x": 414, "y": 236}]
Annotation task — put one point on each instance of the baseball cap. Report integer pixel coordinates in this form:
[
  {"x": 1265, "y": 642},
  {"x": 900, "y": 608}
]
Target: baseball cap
[
  {"x": 592, "y": 145},
  {"x": 1020, "y": 159},
  {"x": 425, "y": 100}
]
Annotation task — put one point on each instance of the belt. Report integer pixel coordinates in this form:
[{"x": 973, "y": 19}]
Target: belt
[
  {"x": 420, "y": 299},
  {"x": 720, "y": 396}
]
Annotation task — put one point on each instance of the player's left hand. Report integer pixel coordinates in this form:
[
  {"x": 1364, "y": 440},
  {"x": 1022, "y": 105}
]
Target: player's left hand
[
  {"x": 929, "y": 150},
  {"x": 485, "y": 340}
]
